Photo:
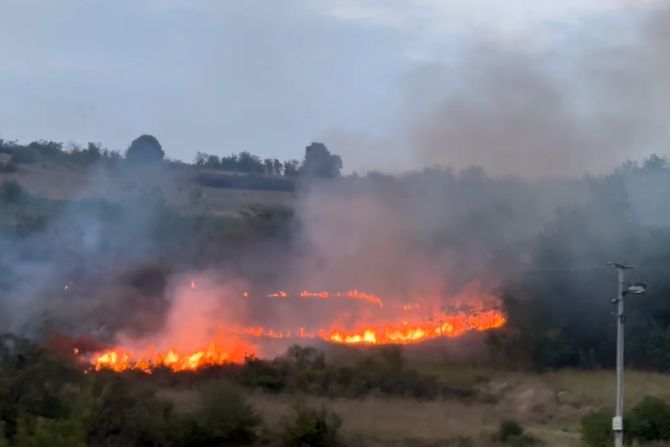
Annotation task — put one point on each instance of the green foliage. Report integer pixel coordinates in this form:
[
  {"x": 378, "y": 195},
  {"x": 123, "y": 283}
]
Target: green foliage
[
  {"x": 125, "y": 413},
  {"x": 145, "y": 149},
  {"x": 310, "y": 427},
  {"x": 649, "y": 420},
  {"x": 511, "y": 433},
  {"x": 52, "y": 432},
  {"x": 509, "y": 429},
  {"x": 225, "y": 416},
  {"x": 319, "y": 162},
  {"x": 597, "y": 429},
  {"x": 31, "y": 382},
  {"x": 305, "y": 370}
]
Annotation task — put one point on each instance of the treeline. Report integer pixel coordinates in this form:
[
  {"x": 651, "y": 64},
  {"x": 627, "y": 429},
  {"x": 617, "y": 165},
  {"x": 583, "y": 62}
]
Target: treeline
[
  {"x": 318, "y": 161},
  {"x": 247, "y": 163},
  {"x": 559, "y": 307},
  {"x": 53, "y": 151}
]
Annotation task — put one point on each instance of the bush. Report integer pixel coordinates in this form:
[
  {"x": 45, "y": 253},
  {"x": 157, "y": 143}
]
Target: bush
[
  {"x": 509, "y": 429},
  {"x": 125, "y": 413},
  {"x": 649, "y": 421},
  {"x": 511, "y": 433},
  {"x": 225, "y": 415},
  {"x": 51, "y": 432},
  {"x": 11, "y": 192},
  {"x": 597, "y": 429},
  {"x": 310, "y": 427}
]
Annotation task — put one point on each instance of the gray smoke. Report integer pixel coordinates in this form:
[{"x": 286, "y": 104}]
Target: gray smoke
[{"x": 593, "y": 100}]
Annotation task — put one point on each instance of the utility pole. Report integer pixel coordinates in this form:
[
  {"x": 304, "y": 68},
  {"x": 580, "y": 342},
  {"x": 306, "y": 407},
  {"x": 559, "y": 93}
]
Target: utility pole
[{"x": 617, "y": 421}]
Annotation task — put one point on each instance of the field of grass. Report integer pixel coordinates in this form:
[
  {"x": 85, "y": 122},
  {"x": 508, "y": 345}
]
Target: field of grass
[
  {"x": 549, "y": 406},
  {"x": 175, "y": 183}
]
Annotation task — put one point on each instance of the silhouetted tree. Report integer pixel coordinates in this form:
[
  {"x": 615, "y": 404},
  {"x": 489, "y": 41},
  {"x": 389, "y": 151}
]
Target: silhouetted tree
[
  {"x": 145, "y": 149},
  {"x": 319, "y": 162},
  {"x": 269, "y": 166},
  {"x": 276, "y": 166},
  {"x": 247, "y": 162},
  {"x": 291, "y": 168}
]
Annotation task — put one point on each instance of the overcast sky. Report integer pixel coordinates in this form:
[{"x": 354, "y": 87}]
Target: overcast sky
[{"x": 270, "y": 76}]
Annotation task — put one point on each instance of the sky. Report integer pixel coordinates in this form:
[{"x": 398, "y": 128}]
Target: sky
[{"x": 384, "y": 83}]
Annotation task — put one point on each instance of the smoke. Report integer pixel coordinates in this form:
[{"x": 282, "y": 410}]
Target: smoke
[
  {"x": 550, "y": 113},
  {"x": 120, "y": 269},
  {"x": 594, "y": 98}
]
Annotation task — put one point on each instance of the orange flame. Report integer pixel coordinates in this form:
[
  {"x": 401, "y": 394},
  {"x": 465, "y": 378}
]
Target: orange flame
[{"x": 391, "y": 326}]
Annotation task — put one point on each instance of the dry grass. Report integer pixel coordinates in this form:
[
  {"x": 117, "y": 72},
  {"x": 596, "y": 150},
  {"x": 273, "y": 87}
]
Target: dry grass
[
  {"x": 66, "y": 182},
  {"x": 397, "y": 421},
  {"x": 595, "y": 388},
  {"x": 548, "y": 405}
]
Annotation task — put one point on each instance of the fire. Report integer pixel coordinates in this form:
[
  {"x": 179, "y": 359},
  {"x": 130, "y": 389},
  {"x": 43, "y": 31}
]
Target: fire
[
  {"x": 396, "y": 324},
  {"x": 353, "y": 294},
  {"x": 120, "y": 359}
]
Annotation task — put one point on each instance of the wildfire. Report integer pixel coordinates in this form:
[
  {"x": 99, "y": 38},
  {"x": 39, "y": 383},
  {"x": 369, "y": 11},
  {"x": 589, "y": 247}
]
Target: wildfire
[
  {"x": 120, "y": 360},
  {"x": 403, "y": 324},
  {"x": 353, "y": 294}
]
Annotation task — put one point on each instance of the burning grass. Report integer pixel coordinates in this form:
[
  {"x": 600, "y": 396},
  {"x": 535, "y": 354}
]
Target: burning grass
[{"x": 195, "y": 336}]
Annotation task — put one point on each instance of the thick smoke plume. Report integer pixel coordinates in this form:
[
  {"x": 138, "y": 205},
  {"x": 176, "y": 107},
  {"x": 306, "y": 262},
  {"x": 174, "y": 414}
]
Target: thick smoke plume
[
  {"x": 585, "y": 103},
  {"x": 539, "y": 113}
]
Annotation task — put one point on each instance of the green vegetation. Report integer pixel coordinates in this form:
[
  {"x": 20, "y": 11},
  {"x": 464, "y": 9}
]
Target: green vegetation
[
  {"x": 511, "y": 433},
  {"x": 647, "y": 422},
  {"x": 597, "y": 429},
  {"x": 310, "y": 427}
]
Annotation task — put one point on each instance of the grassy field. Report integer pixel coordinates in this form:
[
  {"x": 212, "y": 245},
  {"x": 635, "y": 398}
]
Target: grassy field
[
  {"x": 549, "y": 406},
  {"x": 175, "y": 183}
]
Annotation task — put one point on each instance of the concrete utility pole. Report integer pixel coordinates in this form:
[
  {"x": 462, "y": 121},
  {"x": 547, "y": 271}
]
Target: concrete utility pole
[
  {"x": 617, "y": 421},
  {"x": 623, "y": 290}
]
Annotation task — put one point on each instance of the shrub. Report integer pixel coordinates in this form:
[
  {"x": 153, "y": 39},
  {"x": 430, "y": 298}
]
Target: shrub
[
  {"x": 310, "y": 427},
  {"x": 125, "y": 413},
  {"x": 511, "y": 433},
  {"x": 597, "y": 429},
  {"x": 509, "y": 429},
  {"x": 649, "y": 420},
  {"x": 51, "y": 432},
  {"x": 225, "y": 415},
  {"x": 11, "y": 192}
]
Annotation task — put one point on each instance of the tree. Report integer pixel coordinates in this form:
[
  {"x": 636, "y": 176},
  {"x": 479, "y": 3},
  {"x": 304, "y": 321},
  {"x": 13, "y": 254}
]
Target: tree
[
  {"x": 291, "y": 168},
  {"x": 229, "y": 163},
  {"x": 319, "y": 162},
  {"x": 276, "y": 166},
  {"x": 269, "y": 166},
  {"x": 200, "y": 159},
  {"x": 145, "y": 149},
  {"x": 249, "y": 163}
]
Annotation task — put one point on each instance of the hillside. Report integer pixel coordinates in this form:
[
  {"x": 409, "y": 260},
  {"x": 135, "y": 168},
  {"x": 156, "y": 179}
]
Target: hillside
[{"x": 176, "y": 182}]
